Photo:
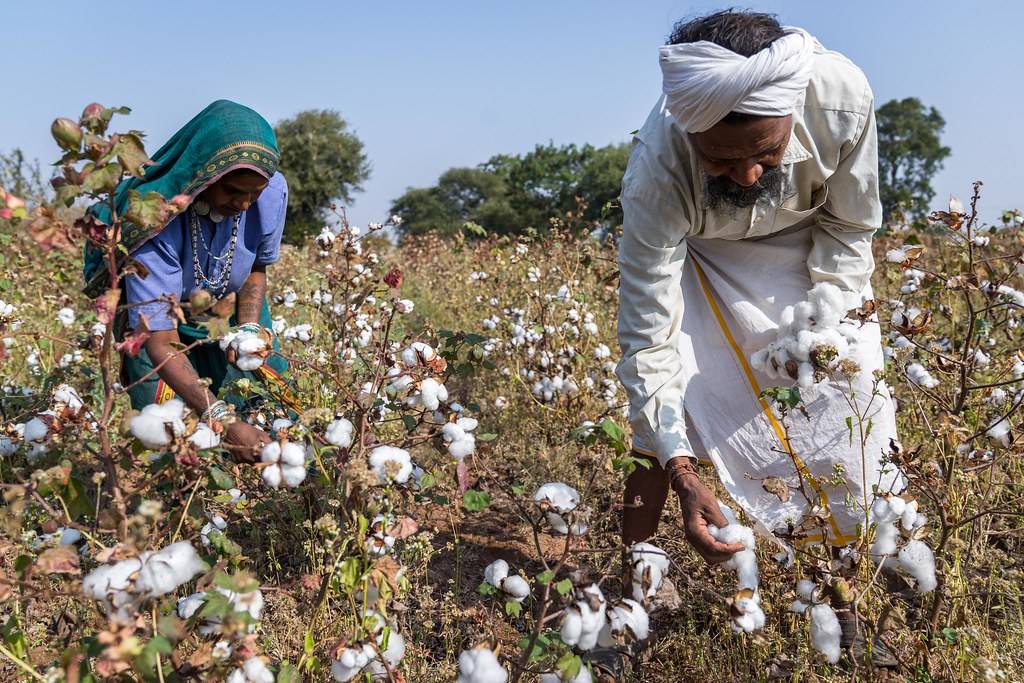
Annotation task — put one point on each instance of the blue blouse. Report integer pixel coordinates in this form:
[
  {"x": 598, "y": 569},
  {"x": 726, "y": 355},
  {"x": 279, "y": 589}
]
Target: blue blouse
[{"x": 168, "y": 256}]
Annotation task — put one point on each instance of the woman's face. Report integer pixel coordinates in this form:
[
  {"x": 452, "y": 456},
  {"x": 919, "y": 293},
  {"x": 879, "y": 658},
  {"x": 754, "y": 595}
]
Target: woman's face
[{"x": 235, "y": 192}]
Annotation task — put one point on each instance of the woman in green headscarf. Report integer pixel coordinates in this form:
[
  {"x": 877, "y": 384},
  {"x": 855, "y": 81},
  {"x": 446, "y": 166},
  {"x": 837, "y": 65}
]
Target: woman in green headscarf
[{"x": 225, "y": 162}]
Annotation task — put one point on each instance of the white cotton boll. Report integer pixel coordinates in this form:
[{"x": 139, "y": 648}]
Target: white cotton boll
[
  {"x": 557, "y": 496},
  {"x": 981, "y": 359},
  {"x": 272, "y": 476},
  {"x": 66, "y": 316},
  {"x": 799, "y": 607},
  {"x": 67, "y": 395},
  {"x": 35, "y": 430},
  {"x": 480, "y": 665},
  {"x": 515, "y": 587},
  {"x": 467, "y": 423},
  {"x": 279, "y": 424},
  {"x": 390, "y": 463},
  {"x": 204, "y": 437},
  {"x": 806, "y": 590},
  {"x": 164, "y": 571},
  {"x": 432, "y": 393},
  {"x": 292, "y": 454},
  {"x": 339, "y": 433},
  {"x": 825, "y": 632},
  {"x": 496, "y": 572},
  {"x": 909, "y": 516},
  {"x": 560, "y": 525},
  {"x": 253, "y": 671},
  {"x": 917, "y": 559},
  {"x": 293, "y": 475},
  {"x": 628, "y": 621},
  {"x": 584, "y": 620},
  {"x": 190, "y": 604},
  {"x": 351, "y": 662},
  {"x": 650, "y": 564},
  {"x": 881, "y": 511},
  {"x": 216, "y": 523},
  {"x": 583, "y": 676},
  {"x": 249, "y": 363},
  {"x": 884, "y": 544},
  {"x": 897, "y": 505},
  {"x": 1000, "y": 431},
  {"x": 158, "y": 423},
  {"x": 109, "y": 580},
  {"x": 920, "y": 376},
  {"x": 896, "y": 255},
  {"x": 751, "y": 617}
]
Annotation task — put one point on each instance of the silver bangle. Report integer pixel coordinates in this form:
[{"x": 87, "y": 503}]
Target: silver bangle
[{"x": 218, "y": 410}]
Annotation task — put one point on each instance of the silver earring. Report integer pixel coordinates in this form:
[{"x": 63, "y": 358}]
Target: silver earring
[
  {"x": 201, "y": 207},
  {"x": 216, "y": 217}
]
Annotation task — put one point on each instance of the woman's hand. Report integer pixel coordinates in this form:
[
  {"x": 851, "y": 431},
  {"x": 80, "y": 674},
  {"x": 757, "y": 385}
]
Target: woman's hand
[
  {"x": 700, "y": 508},
  {"x": 245, "y": 441}
]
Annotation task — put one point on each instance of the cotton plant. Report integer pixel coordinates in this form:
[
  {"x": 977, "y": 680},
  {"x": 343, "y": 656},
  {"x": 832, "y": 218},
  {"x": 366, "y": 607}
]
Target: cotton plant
[
  {"x": 898, "y": 525},
  {"x": 812, "y": 338},
  {"x": 558, "y": 502},
  {"x": 390, "y": 464},
  {"x": 123, "y": 586},
  {"x": 285, "y": 463},
  {"x": 458, "y": 437},
  {"x": 627, "y": 621},
  {"x": 745, "y": 608},
  {"x": 513, "y": 586},
  {"x": 248, "y": 604}
]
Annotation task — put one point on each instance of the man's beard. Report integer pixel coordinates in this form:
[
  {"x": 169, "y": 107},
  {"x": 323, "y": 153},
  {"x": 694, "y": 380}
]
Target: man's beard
[{"x": 720, "y": 191}]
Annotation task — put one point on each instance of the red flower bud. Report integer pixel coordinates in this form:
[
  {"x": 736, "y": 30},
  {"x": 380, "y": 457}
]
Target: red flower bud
[
  {"x": 394, "y": 278},
  {"x": 67, "y": 133}
]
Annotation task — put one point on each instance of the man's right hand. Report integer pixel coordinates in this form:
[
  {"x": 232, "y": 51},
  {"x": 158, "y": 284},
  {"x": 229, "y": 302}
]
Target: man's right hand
[{"x": 700, "y": 508}]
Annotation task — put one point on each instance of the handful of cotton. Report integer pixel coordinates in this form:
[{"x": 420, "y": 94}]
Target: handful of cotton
[
  {"x": 825, "y": 629},
  {"x": 557, "y": 500},
  {"x": 513, "y": 586},
  {"x": 584, "y": 620},
  {"x": 251, "y": 348},
  {"x": 813, "y": 337},
  {"x": 649, "y": 565},
  {"x": 123, "y": 586},
  {"x": 745, "y": 608},
  {"x": 286, "y": 462},
  {"x": 159, "y": 423},
  {"x": 895, "y": 517}
]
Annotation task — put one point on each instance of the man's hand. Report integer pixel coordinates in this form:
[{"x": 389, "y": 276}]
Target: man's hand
[
  {"x": 245, "y": 441},
  {"x": 700, "y": 508}
]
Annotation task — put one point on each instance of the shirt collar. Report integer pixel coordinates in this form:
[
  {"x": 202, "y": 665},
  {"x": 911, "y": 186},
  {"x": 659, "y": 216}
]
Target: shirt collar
[{"x": 795, "y": 151}]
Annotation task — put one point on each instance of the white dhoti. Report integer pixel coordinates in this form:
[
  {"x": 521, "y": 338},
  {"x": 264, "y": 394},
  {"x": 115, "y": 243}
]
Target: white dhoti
[{"x": 733, "y": 294}]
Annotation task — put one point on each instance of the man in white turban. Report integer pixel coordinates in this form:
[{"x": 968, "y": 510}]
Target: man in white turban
[{"x": 752, "y": 187}]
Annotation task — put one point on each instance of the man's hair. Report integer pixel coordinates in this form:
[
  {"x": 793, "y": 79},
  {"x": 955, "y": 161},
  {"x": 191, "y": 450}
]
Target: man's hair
[{"x": 745, "y": 33}]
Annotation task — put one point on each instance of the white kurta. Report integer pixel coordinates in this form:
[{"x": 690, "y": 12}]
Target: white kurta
[{"x": 701, "y": 291}]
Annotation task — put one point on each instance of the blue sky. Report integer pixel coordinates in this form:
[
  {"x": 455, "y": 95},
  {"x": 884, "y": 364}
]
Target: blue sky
[{"x": 431, "y": 85}]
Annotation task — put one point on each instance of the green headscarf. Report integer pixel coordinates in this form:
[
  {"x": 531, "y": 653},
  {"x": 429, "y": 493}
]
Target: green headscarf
[{"x": 224, "y": 137}]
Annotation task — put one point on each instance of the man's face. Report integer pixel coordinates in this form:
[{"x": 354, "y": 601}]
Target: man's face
[
  {"x": 743, "y": 160},
  {"x": 235, "y": 192}
]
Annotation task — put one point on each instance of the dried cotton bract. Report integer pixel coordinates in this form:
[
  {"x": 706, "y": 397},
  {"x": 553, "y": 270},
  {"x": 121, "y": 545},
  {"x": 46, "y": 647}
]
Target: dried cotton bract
[{"x": 649, "y": 565}]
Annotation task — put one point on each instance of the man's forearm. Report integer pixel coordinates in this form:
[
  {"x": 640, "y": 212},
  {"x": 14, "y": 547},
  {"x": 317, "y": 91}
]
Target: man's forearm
[{"x": 249, "y": 304}]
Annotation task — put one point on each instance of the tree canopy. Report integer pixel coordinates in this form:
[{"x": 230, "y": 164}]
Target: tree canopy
[
  {"x": 509, "y": 194},
  {"x": 910, "y": 153},
  {"x": 324, "y": 162}
]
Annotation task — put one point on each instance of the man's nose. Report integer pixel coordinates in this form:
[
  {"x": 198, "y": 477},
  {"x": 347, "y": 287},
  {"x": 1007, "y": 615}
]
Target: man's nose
[{"x": 746, "y": 175}]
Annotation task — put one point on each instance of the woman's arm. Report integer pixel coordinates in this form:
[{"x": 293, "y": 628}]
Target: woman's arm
[
  {"x": 178, "y": 373},
  {"x": 249, "y": 302}
]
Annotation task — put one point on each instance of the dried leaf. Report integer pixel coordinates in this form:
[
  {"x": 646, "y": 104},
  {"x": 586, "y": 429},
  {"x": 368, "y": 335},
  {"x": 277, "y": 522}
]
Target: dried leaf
[
  {"x": 864, "y": 312},
  {"x": 404, "y": 528},
  {"x": 777, "y": 486},
  {"x": 62, "y": 559}
]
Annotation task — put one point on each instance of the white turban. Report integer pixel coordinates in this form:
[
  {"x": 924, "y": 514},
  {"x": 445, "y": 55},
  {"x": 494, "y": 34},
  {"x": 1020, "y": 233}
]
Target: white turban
[{"x": 703, "y": 81}]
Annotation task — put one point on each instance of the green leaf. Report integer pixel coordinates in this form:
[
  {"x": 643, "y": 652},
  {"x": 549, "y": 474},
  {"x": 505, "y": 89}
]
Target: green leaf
[
  {"x": 950, "y": 635},
  {"x": 150, "y": 211},
  {"x": 220, "y": 479},
  {"x": 487, "y": 437},
  {"x": 409, "y": 421},
  {"x": 564, "y": 587},
  {"x": 426, "y": 481},
  {"x": 475, "y": 501},
  {"x": 486, "y": 589},
  {"x": 288, "y": 674},
  {"x": 513, "y": 608},
  {"x": 545, "y": 577},
  {"x": 223, "y": 545},
  {"x": 67, "y": 192},
  {"x": 103, "y": 179},
  {"x": 569, "y": 666},
  {"x": 130, "y": 153},
  {"x": 308, "y": 644},
  {"x": 539, "y": 646}
]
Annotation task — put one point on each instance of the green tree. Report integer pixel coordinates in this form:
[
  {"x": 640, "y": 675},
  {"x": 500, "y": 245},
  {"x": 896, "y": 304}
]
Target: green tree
[
  {"x": 21, "y": 177},
  {"x": 510, "y": 193},
  {"x": 324, "y": 162},
  {"x": 910, "y": 153}
]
